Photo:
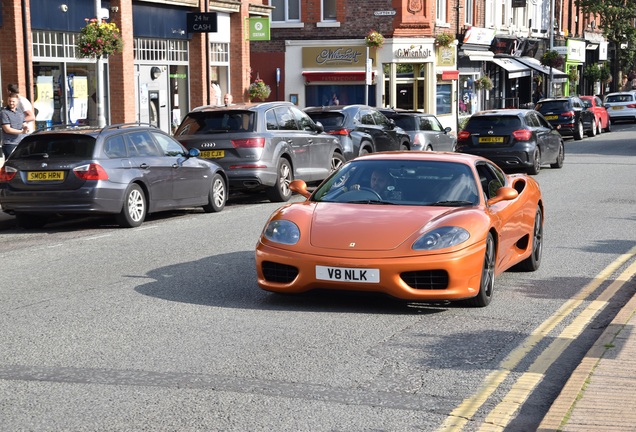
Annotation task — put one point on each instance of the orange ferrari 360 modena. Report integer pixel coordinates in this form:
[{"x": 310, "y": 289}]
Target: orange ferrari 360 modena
[{"x": 419, "y": 226}]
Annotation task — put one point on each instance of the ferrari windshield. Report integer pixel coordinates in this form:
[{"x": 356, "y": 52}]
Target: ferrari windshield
[{"x": 401, "y": 182}]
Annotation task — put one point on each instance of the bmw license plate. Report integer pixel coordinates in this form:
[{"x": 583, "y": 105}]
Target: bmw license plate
[
  {"x": 212, "y": 154},
  {"x": 552, "y": 117},
  {"x": 45, "y": 175},
  {"x": 344, "y": 274},
  {"x": 491, "y": 139}
]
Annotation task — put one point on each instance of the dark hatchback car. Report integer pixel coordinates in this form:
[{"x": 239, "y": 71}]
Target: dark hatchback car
[
  {"x": 515, "y": 139},
  {"x": 361, "y": 129},
  {"x": 569, "y": 115},
  {"x": 425, "y": 130},
  {"x": 262, "y": 146},
  {"x": 128, "y": 170}
]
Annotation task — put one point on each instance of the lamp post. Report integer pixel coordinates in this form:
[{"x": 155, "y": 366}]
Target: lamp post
[
  {"x": 550, "y": 85},
  {"x": 99, "y": 91}
]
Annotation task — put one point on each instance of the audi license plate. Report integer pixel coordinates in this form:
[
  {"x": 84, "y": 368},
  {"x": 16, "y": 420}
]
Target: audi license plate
[
  {"x": 491, "y": 139},
  {"x": 212, "y": 154},
  {"x": 553, "y": 117},
  {"x": 344, "y": 274},
  {"x": 45, "y": 175}
]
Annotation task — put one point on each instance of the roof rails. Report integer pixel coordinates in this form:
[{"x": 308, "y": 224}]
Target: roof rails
[{"x": 92, "y": 127}]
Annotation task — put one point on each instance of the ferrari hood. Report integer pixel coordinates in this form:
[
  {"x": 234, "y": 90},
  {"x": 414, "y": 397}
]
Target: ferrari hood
[{"x": 368, "y": 227}]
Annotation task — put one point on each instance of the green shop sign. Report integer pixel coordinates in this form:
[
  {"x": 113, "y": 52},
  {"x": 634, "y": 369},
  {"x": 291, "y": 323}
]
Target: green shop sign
[{"x": 259, "y": 29}]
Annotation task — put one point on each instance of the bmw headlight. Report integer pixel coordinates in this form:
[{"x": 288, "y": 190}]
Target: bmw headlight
[
  {"x": 441, "y": 238},
  {"x": 282, "y": 231}
]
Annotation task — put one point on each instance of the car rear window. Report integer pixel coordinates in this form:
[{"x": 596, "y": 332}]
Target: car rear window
[
  {"x": 58, "y": 146},
  {"x": 619, "y": 98},
  {"x": 197, "y": 123},
  {"x": 499, "y": 124},
  {"x": 552, "y": 106},
  {"x": 329, "y": 120}
]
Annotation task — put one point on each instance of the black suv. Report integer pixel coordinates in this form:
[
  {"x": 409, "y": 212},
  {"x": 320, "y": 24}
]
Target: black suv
[
  {"x": 128, "y": 170},
  {"x": 515, "y": 139},
  {"x": 361, "y": 129},
  {"x": 569, "y": 115}
]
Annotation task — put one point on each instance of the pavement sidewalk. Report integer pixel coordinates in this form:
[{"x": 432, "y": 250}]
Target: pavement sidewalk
[{"x": 601, "y": 393}]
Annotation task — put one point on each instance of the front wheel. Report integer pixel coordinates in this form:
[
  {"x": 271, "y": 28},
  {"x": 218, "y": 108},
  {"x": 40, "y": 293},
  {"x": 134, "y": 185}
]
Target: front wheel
[
  {"x": 281, "y": 192},
  {"x": 560, "y": 157},
  {"x": 609, "y": 126},
  {"x": 578, "y": 132},
  {"x": 337, "y": 160},
  {"x": 134, "y": 210},
  {"x": 217, "y": 197},
  {"x": 487, "y": 283},
  {"x": 592, "y": 132}
]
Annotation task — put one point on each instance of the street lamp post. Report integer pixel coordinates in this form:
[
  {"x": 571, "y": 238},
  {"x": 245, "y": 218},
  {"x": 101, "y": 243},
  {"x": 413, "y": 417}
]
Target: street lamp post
[{"x": 550, "y": 85}]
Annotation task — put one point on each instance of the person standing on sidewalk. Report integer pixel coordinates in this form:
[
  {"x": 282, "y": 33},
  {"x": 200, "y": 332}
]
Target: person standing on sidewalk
[
  {"x": 14, "y": 126},
  {"x": 25, "y": 105}
]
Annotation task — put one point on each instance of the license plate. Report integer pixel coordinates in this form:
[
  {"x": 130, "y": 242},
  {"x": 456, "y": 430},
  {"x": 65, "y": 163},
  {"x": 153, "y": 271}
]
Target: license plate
[
  {"x": 617, "y": 107},
  {"x": 553, "y": 117},
  {"x": 491, "y": 139},
  {"x": 212, "y": 154},
  {"x": 45, "y": 175},
  {"x": 344, "y": 274}
]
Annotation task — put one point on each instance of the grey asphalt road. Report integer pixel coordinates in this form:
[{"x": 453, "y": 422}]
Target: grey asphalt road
[{"x": 163, "y": 327}]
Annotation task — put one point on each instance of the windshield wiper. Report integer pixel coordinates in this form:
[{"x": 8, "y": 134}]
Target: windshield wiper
[
  {"x": 369, "y": 201},
  {"x": 450, "y": 203}
]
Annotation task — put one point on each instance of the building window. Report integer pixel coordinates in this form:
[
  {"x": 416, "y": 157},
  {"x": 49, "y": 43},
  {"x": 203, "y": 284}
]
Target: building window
[
  {"x": 286, "y": 10},
  {"x": 441, "y": 11},
  {"x": 329, "y": 10},
  {"x": 219, "y": 53},
  {"x": 469, "y": 12}
]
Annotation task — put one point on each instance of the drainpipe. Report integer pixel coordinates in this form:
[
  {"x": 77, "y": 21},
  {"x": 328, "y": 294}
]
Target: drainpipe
[{"x": 27, "y": 57}]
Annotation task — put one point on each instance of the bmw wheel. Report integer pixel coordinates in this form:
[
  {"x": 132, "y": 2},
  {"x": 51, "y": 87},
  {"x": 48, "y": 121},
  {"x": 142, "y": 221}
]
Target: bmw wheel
[
  {"x": 134, "y": 210},
  {"x": 487, "y": 283},
  {"x": 281, "y": 192},
  {"x": 217, "y": 195}
]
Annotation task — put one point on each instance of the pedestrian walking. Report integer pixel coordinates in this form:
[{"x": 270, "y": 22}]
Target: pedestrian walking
[
  {"x": 25, "y": 105},
  {"x": 14, "y": 126}
]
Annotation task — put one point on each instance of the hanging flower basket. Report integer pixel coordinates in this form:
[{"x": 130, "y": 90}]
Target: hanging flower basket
[
  {"x": 552, "y": 59},
  {"x": 374, "y": 39},
  {"x": 444, "y": 39},
  {"x": 98, "y": 38},
  {"x": 483, "y": 83},
  {"x": 258, "y": 90}
]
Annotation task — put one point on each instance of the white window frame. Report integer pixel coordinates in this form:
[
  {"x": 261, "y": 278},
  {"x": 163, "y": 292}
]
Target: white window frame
[
  {"x": 469, "y": 12},
  {"x": 286, "y": 9},
  {"x": 440, "y": 12}
]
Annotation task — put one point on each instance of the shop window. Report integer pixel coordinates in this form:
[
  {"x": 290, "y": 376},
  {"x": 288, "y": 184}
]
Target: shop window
[
  {"x": 286, "y": 10},
  {"x": 444, "y": 98}
]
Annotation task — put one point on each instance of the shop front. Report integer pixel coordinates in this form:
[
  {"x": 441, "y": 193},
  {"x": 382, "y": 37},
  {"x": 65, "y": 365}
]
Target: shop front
[{"x": 574, "y": 61}]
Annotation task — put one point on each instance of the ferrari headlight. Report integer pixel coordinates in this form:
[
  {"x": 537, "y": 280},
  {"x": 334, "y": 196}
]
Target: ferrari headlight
[
  {"x": 441, "y": 238},
  {"x": 282, "y": 231}
]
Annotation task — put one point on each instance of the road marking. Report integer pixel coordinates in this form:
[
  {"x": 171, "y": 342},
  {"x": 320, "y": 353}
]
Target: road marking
[{"x": 520, "y": 391}]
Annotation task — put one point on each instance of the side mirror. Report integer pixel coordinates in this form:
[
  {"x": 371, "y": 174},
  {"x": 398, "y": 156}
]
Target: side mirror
[
  {"x": 391, "y": 124},
  {"x": 194, "y": 152},
  {"x": 319, "y": 127},
  {"x": 300, "y": 187},
  {"x": 447, "y": 129},
  {"x": 505, "y": 193}
]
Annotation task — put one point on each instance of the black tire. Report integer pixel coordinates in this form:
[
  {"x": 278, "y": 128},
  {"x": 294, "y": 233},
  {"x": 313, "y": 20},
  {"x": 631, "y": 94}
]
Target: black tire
[
  {"x": 533, "y": 262},
  {"x": 592, "y": 132},
  {"x": 599, "y": 127},
  {"x": 280, "y": 192},
  {"x": 135, "y": 208},
  {"x": 337, "y": 160},
  {"x": 30, "y": 221},
  {"x": 487, "y": 282},
  {"x": 428, "y": 148},
  {"x": 578, "y": 132},
  {"x": 609, "y": 126},
  {"x": 536, "y": 163},
  {"x": 560, "y": 157},
  {"x": 404, "y": 147},
  {"x": 217, "y": 196}
]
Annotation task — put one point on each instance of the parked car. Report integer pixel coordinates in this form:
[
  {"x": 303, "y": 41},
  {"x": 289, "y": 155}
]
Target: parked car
[
  {"x": 425, "y": 130},
  {"x": 128, "y": 170},
  {"x": 621, "y": 106},
  {"x": 569, "y": 115},
  {"x": 455, "y": 222},
  {"x": 262, "y": 146},
  {"x": 594, "y": 104},
  {"x": 515, "y": 139},
  {"x": 361, "y": 129}
]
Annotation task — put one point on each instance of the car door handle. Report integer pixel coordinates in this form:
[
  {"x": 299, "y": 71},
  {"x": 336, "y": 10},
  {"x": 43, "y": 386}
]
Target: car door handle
[{"x": 144, "y": 166}]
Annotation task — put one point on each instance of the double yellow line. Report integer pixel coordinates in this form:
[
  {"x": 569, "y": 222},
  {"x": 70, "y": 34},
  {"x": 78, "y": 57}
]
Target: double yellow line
[{"x": 504, "y": 412}]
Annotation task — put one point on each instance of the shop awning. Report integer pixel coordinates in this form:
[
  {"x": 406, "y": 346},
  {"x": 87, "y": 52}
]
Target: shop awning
[
  {"x": 450, "y": 75},
  {"x": 335, "y": 76},
  {"x": 514, "y": 68},
  {"x": 479, "y": 55},
  {"x": 558, "y": 75}
]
